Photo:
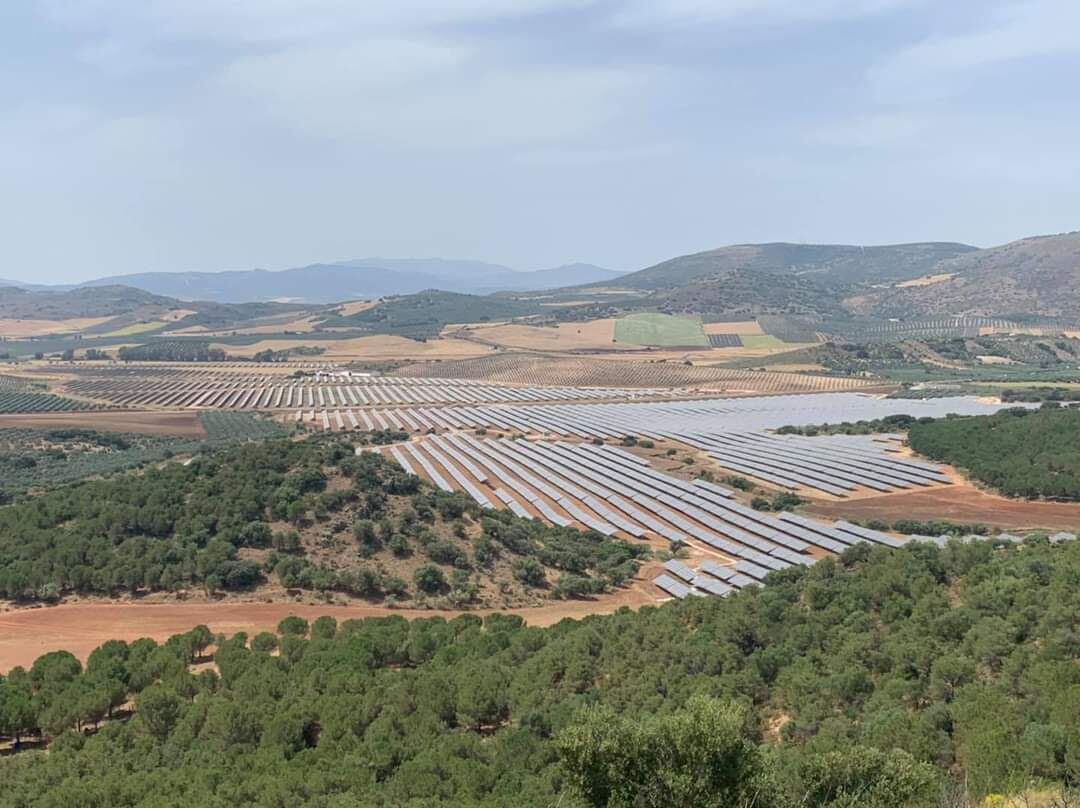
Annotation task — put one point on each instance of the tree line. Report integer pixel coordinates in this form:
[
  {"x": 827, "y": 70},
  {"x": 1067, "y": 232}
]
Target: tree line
[{"x": 1018, "y": 451}]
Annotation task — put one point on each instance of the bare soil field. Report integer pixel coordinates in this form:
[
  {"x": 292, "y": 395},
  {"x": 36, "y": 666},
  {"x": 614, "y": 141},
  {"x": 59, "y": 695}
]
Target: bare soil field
[
  {"x": 185, "y": 424},
  {"x": 955, "y": 503},
  {"x": 356, "y": 306},
  {"x": 18, "y": 329},
  {"x": 612, "y": 371},
  {"x": 26, "y": 634},
  {"x": 590, "y": 335},
  {"x": 748, "y": 327}
]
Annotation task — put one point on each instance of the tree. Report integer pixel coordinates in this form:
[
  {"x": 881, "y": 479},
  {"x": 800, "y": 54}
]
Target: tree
[
  {"x": 158, "y": 710},
  {"x": 429, "y": 579},
  {"x": 16, "y": 710},
  {"x": 698, "y": 757},
  {"x": 862, "y": 777},
  {"x": 293, "y": 626}
]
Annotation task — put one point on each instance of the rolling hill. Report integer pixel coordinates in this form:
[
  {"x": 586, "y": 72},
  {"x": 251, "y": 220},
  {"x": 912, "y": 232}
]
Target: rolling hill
[
  {"x": 829, "y": 265},
  {"x": 808, "y": 279},
  {"x": 104, "y": 301},
  {"x": 1033, "y": 276}
]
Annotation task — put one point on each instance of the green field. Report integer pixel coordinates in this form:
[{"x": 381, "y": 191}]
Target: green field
[{"x": 660, "y": 330}]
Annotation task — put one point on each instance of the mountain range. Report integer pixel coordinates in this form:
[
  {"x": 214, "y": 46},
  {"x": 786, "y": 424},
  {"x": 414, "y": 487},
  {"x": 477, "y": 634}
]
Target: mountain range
[
  {"x": 346, "y": 280},
  {"x": 1031, "y": 278}
]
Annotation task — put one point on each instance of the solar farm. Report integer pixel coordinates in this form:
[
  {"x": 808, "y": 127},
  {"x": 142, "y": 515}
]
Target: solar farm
[{"x": 511, "y": 434}]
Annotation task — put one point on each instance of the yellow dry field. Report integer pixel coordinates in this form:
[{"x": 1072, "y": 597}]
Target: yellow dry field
[
  {"x": 176, "y": 315},
  {"x": 994, "y": 360},
  {"x": 42, "y": 328},
  {"x": 133, "y": 329},
  {"x": 355, "y": 307},
  {"x": 925, "y": 280},
  {"x": 747, "y": 328},
  {"x": 595, "y": 335},
  {"x": 375, "y": 347}
]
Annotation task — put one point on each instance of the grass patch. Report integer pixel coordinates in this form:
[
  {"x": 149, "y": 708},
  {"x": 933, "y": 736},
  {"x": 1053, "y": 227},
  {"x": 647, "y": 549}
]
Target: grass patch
[
  {"x": 660, "y": 330},
  {"x": 134, "y": 328}
]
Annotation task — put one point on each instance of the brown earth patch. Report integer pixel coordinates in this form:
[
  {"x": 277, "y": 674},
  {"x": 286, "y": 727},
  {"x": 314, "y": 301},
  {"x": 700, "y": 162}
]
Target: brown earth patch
[
  {"x": 748, "y": 327},
  {"x": 26, "y": 634},
  {"x": 185, "y": 424},
  {"x": 590, "y": 335},
  {"x": 955, "y": 503}
]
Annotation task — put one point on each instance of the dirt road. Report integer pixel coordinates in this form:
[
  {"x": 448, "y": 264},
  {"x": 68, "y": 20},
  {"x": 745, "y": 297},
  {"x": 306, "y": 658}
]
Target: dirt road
[{"x": 26, "y": 634}]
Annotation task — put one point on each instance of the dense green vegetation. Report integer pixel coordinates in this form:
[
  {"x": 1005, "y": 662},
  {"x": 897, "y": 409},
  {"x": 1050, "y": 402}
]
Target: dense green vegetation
[
  {"x": 425, "y": 314},
  {"x": 1020, "y": 452},
  {"x": 172, "y": 351},
  {"x": 1037, "y": 394},
  {"x": 890, "y": 423},
  {"x": 883, "y": 679},
  {"x": 180, "y": 525}
]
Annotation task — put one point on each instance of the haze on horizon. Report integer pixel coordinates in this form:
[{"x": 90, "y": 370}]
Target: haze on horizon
[{"x": 195, "y": 135}]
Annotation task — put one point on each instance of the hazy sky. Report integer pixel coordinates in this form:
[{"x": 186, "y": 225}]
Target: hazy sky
[{"x": 142, "y": 135}]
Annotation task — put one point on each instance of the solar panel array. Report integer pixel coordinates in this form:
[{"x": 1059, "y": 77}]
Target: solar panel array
[
  {"x": 245, "y": 390},
  {"x": 731, "y": 431},
  {"x": 615, "y": 493}
]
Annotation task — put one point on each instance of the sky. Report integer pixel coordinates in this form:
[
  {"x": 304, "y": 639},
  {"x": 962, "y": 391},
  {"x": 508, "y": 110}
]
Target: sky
[{"x": 167, "y": 135}]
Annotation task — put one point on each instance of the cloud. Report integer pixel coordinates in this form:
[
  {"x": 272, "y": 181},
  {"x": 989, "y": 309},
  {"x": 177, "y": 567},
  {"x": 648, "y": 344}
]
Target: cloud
[
  {"x": 872, "y": 131},
  {"x": 284, "y": 20},
  {"x": 687, "y": 12},
  {"x": 944, "y": 65},
  {"x": 428, "y": 94}
]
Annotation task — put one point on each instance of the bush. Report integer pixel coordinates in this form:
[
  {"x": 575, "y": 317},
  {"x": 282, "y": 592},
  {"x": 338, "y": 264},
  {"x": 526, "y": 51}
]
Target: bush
[{"x": 429, "y": 579}]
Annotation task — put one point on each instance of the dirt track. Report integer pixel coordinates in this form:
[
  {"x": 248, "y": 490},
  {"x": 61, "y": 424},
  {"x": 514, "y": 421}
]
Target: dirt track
[
  {"x": 957, "y": 503},
  {"x": 26, "y": 634}
]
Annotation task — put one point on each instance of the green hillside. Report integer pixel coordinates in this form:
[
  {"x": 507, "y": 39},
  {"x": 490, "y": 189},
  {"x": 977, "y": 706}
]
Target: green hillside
[
  {"x": 425, "y": 314},
  {"x": 888, "y": 678}
]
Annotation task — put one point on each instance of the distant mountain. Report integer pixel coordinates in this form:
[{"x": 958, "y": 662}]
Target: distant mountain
[
  {"x": 1034, "y": 276},
  {"x": 566, "y": 275},
  {"x": 360, "y": 278},
  {"x": 317, "y": 283}
]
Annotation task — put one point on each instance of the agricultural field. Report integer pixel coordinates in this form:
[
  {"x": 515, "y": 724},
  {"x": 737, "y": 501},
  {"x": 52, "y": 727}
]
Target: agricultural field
[
  {"x": 660, "y": 330},
  {"x": 46, "y": 458},
  {"x": 20, "y": 401},
  {"x": 539, "y": 369},
  {"x": 239, "y": 426}
]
